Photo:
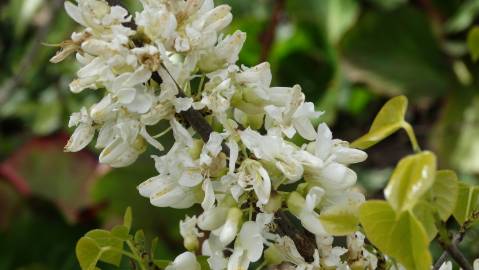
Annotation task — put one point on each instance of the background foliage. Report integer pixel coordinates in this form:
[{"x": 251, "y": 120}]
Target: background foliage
[{"x": 350, "y": 56}]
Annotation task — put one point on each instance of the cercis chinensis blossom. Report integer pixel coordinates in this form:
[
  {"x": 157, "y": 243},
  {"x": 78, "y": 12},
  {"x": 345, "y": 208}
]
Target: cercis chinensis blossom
[{"x": 172, "y": 58}]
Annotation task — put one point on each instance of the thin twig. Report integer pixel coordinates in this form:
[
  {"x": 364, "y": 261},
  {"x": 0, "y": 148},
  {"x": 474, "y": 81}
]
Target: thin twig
[{"x": 451, "y": 249}]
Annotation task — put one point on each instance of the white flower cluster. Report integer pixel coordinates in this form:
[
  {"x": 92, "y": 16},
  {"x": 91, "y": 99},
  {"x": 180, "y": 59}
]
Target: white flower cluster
[{"x": 170, "y": 59}]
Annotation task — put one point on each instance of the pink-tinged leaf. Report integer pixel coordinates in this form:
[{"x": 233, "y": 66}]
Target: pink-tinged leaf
[{"x": 41, "y": 168}]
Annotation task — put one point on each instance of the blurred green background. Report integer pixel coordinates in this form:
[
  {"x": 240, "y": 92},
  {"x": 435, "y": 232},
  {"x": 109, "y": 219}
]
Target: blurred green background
[{"x": 350, "y": 56}]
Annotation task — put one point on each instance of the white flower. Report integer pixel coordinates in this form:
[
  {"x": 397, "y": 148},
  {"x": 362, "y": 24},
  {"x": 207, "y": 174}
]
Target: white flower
[
  {"x": 190, "y": 233},
  {"x": 184, "y": 261},
  {"x": 308, "y": 216},
  {"x": 97, "y": 15},
  {"x": 225, "y": 53},
  {"x": 334, "y": 175},
  {"x": 84, "y": 132},
  {"x": 228, "y": 231},
  {"x": 275, "y": 150},
  {"x": 294, "y": 115},
  {"x": 158, "y": 23},
  {"x": 213, "y": 218},
  {"x": 164, "y": 191},
  {"x": 130, "y": 90},
  {"x": 252, "y": 175},
  {"x": 248, "y": 246}
]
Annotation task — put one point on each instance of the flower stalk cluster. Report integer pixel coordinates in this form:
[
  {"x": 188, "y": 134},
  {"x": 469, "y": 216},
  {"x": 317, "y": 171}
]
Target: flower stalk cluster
[{"x": 233, "y": 152}]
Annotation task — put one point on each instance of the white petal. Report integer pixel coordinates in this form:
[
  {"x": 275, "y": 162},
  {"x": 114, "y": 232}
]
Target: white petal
[
  {"x": 213, "y": 218},
  {"x": 80, "y": 138},
  {"x": 312, "y": 223},
  {"x": 346, "y": 155},
  {"x": 250, "y": 239},
  {"x": 141, "y": 103},
  {"x": 144, "y": 133},
  {"x": 324, "y": 142},
  {"x": 234, "y": 151},
  {"x": 190, "y": 178},
  {"x": 180, "y": 133},
  {"x": 184, "y": 261},
  {"x": 151, "y": 186},
  {"x": 74, "y": 12},
  {"x": 126, "y": 95},
  {"x": 337, "y": 176},
  {"x": 209, "y": 199},
  {"x": 305, "y": 128}
]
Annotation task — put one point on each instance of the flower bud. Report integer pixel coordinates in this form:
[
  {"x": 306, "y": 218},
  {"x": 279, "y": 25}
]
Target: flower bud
[
  {"x": 295, "y": 203},
  {"x": 230, "y": 228},
  {"x": 212, "y": 218},
  {"x": 274, "y": 203}
]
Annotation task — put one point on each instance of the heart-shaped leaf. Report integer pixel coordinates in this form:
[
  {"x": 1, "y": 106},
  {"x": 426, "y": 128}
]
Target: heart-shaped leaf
[
  {"x": 88, "y": 253},
  {"x": 389, "y": 120},
  {"x": 400, "y": 236},
  {"x": 424, "y": 212},
  {"x": 111, "y": 241},
  {"x": 413, "y": 176},
  {"x": 339, "y": 220},
  {"x": 443, "y": 193},
  {"x": 467, "y": 202}
]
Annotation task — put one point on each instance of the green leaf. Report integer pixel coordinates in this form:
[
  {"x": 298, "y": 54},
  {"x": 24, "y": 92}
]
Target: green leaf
[
  {"x": 128, "y": 218},
  {"x": 412, "y": 177},
  {"x": 88, "y": 253},
  {"x": 400, "y": 236},
  {"x": 340, "y": 219},
  {"x": 443, "y": 193},
  {"x": 473, "y": 43},
  {"x": 467, "y": 202},
  {"x": 106, "y": 239},
  {"x": 424, "y": 212},
  {"x": 389, "y": 120}
]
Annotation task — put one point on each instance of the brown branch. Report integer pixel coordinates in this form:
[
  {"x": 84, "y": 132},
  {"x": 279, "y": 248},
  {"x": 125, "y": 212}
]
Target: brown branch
[
  {"x": 268, "y": 36},
  {"x": 456, "y": 240},
  {"x": 456, "y": 254},
  {"x": 303, "y": 240}
]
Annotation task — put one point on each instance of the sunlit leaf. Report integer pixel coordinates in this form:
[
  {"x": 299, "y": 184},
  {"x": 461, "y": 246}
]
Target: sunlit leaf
[
  {"x": 389, "y": 120},
  {"x": 424, "y": 212},
  {"x": 412, "y": 177},
  {"x": 467, "y": 202},
  {"x": 105, "y": 239},
  {"x": 88, "y": 253},
  {"x": 339, "y": 220},
  {"x": 443, "y": 193},
  {"x": 400, "y": 236}
]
